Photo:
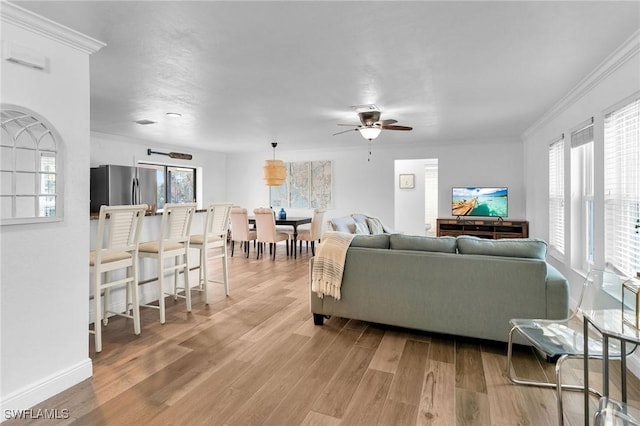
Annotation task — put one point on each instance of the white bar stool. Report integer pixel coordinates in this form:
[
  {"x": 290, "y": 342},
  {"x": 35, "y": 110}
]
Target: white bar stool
[
  {"x": 214, "y": 237},
  {"x": 173, "y": 242},
  {"x": 116, "y": 248}
]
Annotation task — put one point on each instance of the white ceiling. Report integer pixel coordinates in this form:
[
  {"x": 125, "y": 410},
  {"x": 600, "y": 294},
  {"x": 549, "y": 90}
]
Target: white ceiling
[{"x": 245, "y": 73}]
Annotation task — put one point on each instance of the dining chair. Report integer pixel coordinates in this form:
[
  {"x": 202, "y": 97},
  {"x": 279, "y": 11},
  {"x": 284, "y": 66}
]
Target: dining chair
[
  {"x": 240, "y": 229},
  {"x": 314, "y": 233},
  {"x": 267, "y": 233},
  {"x": 563, "y": 339},
  {"x": 116, "y": 248},
  {"x": 213, "y": 238},
  {"x": 173, "y": 243}
]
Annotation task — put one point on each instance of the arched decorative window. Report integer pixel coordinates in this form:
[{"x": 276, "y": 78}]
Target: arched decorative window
[{"x": 30, "y": 172}]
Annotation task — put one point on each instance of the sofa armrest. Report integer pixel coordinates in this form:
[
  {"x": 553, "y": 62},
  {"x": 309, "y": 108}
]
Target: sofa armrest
[{"x": 557, "y": 294}]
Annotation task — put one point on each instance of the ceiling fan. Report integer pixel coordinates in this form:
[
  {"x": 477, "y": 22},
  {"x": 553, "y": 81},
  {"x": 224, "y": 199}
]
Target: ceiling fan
[{"x": 371, "y": 124}]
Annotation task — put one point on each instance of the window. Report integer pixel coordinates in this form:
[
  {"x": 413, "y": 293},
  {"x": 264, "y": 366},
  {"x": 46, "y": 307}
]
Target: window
[
  {"x": 556, "y": 195},
  {"x": 30, "y": 179},
  {"x": 622, "y": 188},
  {"x": 582, "y": 197},
  {"x": 175, "y": 184}
]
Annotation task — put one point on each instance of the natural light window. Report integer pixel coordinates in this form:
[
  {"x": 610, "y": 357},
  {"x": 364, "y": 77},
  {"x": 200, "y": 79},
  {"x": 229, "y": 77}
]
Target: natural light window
[
  {"x": 30, "y": 181},
  {"x": 622, "y": 188},
  {"x": 556, "y": 196},
  {"x": 175, "y": 184},
  {"x": 582, "y": 197}
]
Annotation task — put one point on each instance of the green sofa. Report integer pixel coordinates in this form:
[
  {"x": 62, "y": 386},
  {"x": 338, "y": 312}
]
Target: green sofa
[{"x": 464, "y": 286}]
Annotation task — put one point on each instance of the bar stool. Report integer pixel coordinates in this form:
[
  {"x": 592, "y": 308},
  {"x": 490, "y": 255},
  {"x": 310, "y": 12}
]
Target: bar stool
[
  {"x": 121, "y": 252},
  {"x": 173, "y": 242},
  {"x": 214, "y": 237}
]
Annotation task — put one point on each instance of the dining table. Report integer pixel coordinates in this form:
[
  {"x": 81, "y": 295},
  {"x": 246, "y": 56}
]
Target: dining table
[{"x": 293, "y": 221}]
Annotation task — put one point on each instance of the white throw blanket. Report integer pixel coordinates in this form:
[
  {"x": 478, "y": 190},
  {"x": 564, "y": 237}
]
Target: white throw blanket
[{"x": 328, "y": 264}]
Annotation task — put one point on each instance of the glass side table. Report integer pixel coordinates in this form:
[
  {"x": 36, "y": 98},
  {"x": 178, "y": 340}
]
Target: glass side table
[
  {"x": 610, "y": 324},
  {"x": 614, "y": 413}
]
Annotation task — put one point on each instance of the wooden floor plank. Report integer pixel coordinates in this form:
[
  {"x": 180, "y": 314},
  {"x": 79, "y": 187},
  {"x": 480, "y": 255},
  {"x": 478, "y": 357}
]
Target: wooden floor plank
[
  {"x": 408, "y": 379},
  {"x": 469, "y": 372},
  {"x": 472, "y": 408},
  {"x": 437, "y": 401},
  {"x": 368, "y": 401}
]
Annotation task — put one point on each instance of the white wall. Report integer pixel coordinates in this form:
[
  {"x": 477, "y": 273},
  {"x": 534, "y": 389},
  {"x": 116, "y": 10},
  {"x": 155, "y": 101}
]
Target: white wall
[
  {"x": 409, "y": 202},
  {"x": 369, "y": 187},
  {"x": 43, "y": 300}
]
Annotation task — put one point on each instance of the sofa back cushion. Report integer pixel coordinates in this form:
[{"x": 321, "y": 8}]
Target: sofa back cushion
[
  {"x": 419, "y": 243},
  {"x": 531, "y": 248},
  {"x": 380, "y": 241}
]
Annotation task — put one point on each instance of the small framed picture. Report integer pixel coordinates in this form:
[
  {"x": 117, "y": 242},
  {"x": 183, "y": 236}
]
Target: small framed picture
[{"x": 407, "y": 181}]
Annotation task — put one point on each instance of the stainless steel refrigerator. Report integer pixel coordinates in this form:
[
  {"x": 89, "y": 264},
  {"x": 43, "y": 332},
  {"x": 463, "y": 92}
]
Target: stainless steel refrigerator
[{"x": 122, "y": 185}]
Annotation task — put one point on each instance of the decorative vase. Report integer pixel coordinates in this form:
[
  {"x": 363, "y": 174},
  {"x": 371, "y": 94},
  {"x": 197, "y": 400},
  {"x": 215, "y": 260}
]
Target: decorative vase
[{"x": 282, "y": 214}]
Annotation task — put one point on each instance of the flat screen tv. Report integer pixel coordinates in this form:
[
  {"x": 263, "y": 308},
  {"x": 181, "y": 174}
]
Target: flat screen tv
[{"x": 479, "y": 201}]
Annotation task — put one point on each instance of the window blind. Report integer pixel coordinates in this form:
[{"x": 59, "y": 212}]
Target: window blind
[
  {"x": 556, "y": 195},
  {"x": 622, "y": 188},
  {"x": 582, "y": 136}
]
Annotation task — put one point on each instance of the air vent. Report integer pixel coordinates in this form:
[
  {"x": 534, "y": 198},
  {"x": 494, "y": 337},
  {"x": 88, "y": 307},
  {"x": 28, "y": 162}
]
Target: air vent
[{"x": 145, "y": 122}]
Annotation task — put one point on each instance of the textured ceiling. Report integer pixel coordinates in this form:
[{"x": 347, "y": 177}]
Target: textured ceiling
[{"x": 245, "y": 73}]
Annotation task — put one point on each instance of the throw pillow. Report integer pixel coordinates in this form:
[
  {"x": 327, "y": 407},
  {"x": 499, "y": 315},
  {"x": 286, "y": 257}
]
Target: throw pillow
[
  {"x": 362, "y": 228},
  {"x": 375, "y": 226}
]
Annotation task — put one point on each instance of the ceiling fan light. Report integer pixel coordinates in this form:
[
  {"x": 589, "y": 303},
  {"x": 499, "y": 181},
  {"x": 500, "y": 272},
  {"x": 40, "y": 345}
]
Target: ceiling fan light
[{"x": 370, "y": 133}]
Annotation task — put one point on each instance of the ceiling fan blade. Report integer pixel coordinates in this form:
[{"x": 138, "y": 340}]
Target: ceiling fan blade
[
  {"x": 344, "y": 131},
  {"x": 387, "y": 122},
  {"x": 392, "y": 127}
]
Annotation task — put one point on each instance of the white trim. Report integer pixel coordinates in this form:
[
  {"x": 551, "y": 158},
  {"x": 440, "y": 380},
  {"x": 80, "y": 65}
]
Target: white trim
[
  {"x": 30, "y": 21},
  {"x": 619, "y": 57},
  {"x": 35, "y": 393}
]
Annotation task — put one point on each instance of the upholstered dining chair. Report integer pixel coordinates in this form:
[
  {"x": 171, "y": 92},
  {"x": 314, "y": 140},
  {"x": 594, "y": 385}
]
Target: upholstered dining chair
[
  {"x": 116, "y": 248},
  {"x": 267, "y": 233},
  {"x": 173, "y": 243},
  {"x": 314, "y": 233},
  {"x": 240, "y": 229},
  {"x": 213, "y": 238},
  {"x": 563, "y": 339}
]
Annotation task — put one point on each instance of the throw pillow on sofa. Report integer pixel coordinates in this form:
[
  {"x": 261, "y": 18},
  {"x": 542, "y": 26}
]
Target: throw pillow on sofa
[
  {"x": 420, "y": 243},
  {"x": 362, "y": 228},
  {"x": 531, "y": 248},
  {"x": 375, "y": 226}
]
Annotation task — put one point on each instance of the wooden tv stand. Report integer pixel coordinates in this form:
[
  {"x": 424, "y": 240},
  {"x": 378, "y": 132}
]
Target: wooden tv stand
[{"x": 488, "y": 228}]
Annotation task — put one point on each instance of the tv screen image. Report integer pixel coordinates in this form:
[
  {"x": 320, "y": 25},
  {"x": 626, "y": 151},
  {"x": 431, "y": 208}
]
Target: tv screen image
[{"x": 479, "y": 201}]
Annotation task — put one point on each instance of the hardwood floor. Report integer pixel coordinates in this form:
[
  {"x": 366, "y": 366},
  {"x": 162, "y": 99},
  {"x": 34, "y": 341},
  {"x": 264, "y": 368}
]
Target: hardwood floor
[{"x": 256, "y": 358}]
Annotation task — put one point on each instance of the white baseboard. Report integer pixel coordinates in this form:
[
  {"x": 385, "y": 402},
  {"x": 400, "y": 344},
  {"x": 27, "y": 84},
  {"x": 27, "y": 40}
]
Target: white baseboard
[{"x": 35, "y": 393}]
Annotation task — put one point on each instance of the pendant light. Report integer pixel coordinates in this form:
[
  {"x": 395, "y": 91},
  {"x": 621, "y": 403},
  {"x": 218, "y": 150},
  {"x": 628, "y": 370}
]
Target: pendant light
[{"x": 274, "y": 172}]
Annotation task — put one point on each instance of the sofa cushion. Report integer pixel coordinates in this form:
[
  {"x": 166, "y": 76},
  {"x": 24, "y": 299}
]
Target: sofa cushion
[
  {"x": 419, "y": 243},
  {"x": 531, "y": 248},
  {"x": 375, "y": 226},
  {"x": 344, "y": 224},
  {"x": 371, "y": 241}
]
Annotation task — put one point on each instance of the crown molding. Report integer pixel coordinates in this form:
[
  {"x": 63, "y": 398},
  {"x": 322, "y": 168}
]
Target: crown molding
[
  {"x": 13, "y": 14},
  {"x": 615, "y": 60}
]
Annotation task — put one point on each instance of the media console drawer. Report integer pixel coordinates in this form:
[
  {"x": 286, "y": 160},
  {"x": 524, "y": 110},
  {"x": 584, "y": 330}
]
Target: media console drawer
[{"x": 483, "y": 228}]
